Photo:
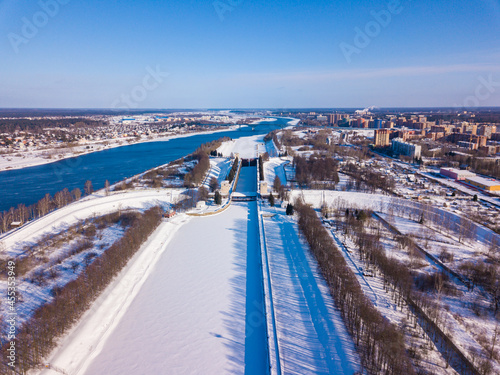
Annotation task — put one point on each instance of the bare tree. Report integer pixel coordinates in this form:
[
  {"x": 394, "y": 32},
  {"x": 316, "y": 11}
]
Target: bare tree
[
  {"x": 60, "y": 199},
  {"x": 43, "y": 205},
  {"x": 21, "y": 213},
  {"x": 89, "y": 189},
  {"x": 214, "y": 184},
  {"x": 202, "y": 193},
  {"x": 106, "y": 187},
  {"x": 77, "y": 193}
]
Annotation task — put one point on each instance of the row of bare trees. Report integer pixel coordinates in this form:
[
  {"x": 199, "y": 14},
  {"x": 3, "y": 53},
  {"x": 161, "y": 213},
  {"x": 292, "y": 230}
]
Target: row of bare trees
[
  {"x": 315, "y": 168},
  {"x": 398, "y": 278},
  {"x": 380, "y": 343},
  {"x": 274, "y": 137},
  {"x": 232, "y": 173},
  {"x": 39, "y": 335},
  {"x": 369, "y": 179},
  {"x": 23, "y": 213},
  {"x": 195, "y": 177},
  {"x": 201, "y": 155},
  {"x": 210, "y": 147}
]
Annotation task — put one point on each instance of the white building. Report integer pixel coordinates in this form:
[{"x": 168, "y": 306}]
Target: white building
[{"x": 399, "y": 147}]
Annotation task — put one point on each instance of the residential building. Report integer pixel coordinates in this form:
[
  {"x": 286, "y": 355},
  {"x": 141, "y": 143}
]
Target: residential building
[
  {"x": 399, "y": 147},
  {"x": 382, "y": 137}
]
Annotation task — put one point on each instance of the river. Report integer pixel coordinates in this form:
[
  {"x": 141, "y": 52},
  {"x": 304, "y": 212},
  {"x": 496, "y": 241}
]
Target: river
[{"x": 28, "y": 185}]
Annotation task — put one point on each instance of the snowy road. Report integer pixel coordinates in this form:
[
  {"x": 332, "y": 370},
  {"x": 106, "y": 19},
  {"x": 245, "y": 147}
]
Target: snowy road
[{"x": 312, "y": 337}]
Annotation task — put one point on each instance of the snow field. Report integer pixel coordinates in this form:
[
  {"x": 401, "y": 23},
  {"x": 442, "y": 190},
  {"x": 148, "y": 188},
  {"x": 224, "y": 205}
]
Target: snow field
[
  {"x": 34, "y": 294},
  {"x": 275, "y": 364},
  {"x": 379, "y": 203},
  {"x": 292, "y": 123},
  {"x": 462, "y": 324},
  {"x": 57, "y": 257},
  {"x": 219, "y": 168}
]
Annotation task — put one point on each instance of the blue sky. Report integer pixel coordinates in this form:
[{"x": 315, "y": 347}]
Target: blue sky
[{"x": 249, "y": 54}]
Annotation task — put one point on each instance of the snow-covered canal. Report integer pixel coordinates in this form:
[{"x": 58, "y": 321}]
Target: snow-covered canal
[{"x": 200, "y": 311}]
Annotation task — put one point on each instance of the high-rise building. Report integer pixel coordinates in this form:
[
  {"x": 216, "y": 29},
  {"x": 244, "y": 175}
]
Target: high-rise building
[
  {"x": 382, "y": 137},
  {"x": 335, "y": 118},
  {"x": 377, "y": 123},
  {"x": 487, "y": 130},
  {"x": 399, "y": 147}
]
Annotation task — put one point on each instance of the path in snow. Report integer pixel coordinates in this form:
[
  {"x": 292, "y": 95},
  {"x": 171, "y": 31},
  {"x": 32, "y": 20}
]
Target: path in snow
[{"x": 312, "y": 337}]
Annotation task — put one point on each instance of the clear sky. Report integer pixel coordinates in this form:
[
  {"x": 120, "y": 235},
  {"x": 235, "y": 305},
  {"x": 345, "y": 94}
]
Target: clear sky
[{"x": 249, "y": 53}]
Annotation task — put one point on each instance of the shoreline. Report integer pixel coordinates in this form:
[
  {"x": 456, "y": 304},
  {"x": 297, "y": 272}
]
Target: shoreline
[{"x": 35, "y": 161}]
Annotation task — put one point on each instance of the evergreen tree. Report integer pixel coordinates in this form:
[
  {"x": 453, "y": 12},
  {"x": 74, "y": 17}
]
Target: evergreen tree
[
  {"x": 217, "y": 198},
  {"x": 271, "y": 199}
]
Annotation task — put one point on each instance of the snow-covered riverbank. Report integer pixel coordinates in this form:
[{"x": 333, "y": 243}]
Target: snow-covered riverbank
[{"x": 31, "y": 158}]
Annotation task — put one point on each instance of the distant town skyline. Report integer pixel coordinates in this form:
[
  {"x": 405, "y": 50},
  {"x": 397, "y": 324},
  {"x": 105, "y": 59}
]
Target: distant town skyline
[{"x": 242, "y": 54}]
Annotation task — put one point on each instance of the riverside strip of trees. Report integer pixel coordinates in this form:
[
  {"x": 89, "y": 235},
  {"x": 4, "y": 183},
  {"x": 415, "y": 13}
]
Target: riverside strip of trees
[
  {"x": 380, "y": 344},
  {"x": 22, "y": 214},
  {"x": 196, "y": 176},
  {"x": 38, "y": 337}
]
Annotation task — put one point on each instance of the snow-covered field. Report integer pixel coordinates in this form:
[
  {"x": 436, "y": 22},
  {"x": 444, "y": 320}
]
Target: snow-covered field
[
  {"x": 462, "y": 323},
  {"x": 219, "y": 168},
  {"x": 35, "y": 287},
  {"x": 374, "y": 288},
  {"x": 378, "y": 202}
]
